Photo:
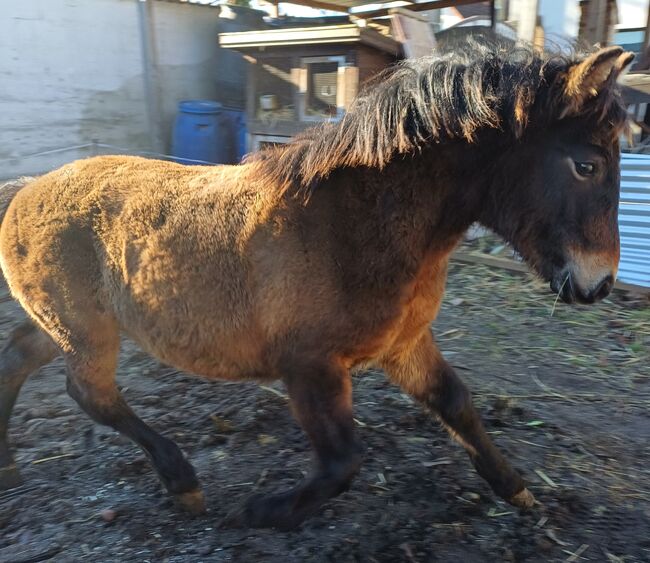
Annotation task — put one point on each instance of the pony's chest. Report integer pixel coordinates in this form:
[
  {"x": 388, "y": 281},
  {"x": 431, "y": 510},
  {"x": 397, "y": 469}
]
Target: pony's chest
[
  {"x": 412, "y": 313},
  {"x": 423, "y": 301}
]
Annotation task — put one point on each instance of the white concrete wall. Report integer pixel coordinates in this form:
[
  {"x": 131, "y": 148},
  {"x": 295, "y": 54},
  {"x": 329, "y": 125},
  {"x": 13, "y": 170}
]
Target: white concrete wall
[{"x": 71, "y": 72}]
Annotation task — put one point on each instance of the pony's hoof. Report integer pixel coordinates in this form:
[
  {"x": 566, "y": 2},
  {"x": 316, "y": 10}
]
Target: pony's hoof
[
  {"x": 192, "y": 501},
  {"x": 523, "y": 499},
  {"x": 10, "y": 477}
]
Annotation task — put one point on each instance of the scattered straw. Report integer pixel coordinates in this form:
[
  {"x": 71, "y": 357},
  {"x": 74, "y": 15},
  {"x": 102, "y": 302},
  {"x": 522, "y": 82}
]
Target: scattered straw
[
  {"x": 52, "y": 458},
  {"x": 559, "y": 292},
  {"x": 274, "y": 391},
  {"x": 575, "y": 556},
  {"x": 544, "y": 477}
]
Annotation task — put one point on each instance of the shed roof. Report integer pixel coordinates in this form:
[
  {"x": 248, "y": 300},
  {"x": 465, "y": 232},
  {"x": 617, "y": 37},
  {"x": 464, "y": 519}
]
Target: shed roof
[{"x": 348, "y": 33}]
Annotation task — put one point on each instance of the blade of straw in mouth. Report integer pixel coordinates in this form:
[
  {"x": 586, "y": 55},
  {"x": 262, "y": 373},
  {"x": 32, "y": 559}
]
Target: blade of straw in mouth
[{"x": 559, "y": 292}]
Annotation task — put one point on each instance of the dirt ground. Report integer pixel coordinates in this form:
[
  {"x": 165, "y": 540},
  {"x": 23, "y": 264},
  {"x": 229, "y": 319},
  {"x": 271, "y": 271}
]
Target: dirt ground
[{"x": 565, "y": 391}]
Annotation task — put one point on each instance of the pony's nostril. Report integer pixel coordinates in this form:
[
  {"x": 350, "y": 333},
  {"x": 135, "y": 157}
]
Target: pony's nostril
[{"x": 604, "y": 288}]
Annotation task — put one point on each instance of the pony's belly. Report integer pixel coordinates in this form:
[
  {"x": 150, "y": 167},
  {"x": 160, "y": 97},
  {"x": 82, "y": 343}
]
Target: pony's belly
[
  {"x": 199, "y": 343},
  {"x": 229, "y": 360}
]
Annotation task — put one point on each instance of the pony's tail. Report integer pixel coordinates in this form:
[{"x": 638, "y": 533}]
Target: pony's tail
[{"x": 8, "y": 191}]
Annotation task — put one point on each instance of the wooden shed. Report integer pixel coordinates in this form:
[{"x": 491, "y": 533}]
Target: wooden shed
[{"x": 300, "y": 76}]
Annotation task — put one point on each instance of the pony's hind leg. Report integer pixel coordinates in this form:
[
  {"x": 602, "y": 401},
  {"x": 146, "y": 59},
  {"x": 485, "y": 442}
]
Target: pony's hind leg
[
  {"x": 432, "y": 381},
  {"x": 91, "y": 383},
  {"x": 27, "y": 349},
  {"x": 321, "y": 399}
]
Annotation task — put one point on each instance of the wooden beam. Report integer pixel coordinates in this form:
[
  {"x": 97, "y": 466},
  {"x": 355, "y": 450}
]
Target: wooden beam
[
  {"x": 421, "y": 7},
  {"x": 597, "y": 21},
  {"x": 320, "y": 5}
]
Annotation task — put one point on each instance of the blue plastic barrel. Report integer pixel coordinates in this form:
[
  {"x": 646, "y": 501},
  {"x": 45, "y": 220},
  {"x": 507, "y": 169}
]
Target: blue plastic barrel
[
  {"x": 199, "y": 133},
  {"x": 235, "y": 139}
]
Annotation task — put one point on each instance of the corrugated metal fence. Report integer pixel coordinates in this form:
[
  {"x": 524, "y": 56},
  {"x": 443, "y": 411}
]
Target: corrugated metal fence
[{"x": 634, "y": 219}]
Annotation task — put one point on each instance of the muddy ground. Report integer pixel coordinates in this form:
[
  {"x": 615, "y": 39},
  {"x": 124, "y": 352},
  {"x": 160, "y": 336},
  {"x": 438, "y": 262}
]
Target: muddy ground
[{"x": 566, "y": 395}]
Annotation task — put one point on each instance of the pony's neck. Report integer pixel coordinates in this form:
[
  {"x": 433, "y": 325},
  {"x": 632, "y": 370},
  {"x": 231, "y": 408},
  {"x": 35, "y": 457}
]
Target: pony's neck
[
  {"x": 440, "y": 191},
  {"x": 416, "y": 207}
]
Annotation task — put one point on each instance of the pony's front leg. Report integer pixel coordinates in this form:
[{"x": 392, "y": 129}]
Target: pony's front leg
[
  {"x": 424, "y": 374},
  {"x": 321, "y": 399}
]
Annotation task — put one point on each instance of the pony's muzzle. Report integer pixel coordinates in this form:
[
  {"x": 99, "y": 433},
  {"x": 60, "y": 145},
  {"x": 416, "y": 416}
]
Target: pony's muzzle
[
  {"x": 587, "y": 276},
  {"x": 602, "y": 290},
  {"x": 567, "y": 288}
]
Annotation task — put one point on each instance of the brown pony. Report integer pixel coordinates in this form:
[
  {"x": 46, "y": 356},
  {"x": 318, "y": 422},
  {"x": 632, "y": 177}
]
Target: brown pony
[{"x": 320, "y": 257}]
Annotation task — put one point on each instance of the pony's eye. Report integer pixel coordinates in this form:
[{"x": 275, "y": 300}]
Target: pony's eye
[{"x": 585, "y": 168}]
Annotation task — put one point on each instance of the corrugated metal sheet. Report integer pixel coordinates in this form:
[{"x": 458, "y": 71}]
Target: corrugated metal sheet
[{"x": 634, "y": 219}]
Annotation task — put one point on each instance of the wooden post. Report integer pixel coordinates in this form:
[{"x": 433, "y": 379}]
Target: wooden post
[
  {"x": 597, "y": 21},
  {"x": 644, "y": 59},
  {"x": 275, "y": 9},
  {"x": 646, "y": 37},
  {"x": 527, "y": 20},
  {"x": 493, "y": 15}
]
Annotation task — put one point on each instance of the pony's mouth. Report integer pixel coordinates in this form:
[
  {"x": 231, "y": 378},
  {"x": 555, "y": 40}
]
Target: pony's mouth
[{"x": 564, "y": 285}]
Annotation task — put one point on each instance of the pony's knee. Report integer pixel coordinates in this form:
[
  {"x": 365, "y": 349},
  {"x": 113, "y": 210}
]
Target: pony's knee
[
  {"x": 451, "y": 400},
  {"x": 104, "y": 409},
  {"x": 450, "y": 397}
]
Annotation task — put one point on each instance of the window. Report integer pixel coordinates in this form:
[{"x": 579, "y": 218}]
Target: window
[{"x": 321, "y": 88}]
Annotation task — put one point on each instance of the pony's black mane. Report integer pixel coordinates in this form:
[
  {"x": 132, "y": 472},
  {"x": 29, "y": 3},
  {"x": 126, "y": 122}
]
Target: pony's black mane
[{"x": 484, "y": 85}]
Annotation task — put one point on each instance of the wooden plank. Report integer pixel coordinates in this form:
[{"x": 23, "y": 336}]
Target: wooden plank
[
  {"x": 334, "y": 7},
  {"x": 487, "y": 260},
  {"x": 338, "y": 34}
]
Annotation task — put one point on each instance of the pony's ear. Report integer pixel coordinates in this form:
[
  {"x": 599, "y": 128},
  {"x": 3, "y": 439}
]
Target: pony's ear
[{"x": 586, "y": 79}]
